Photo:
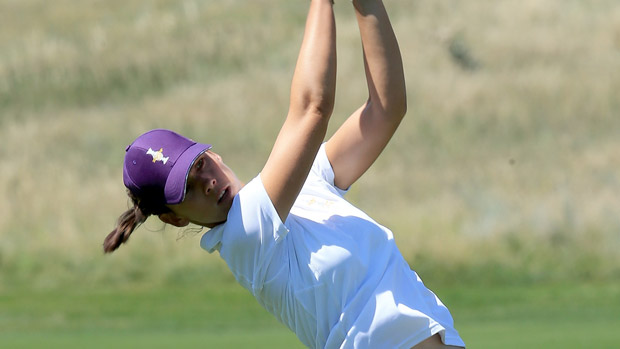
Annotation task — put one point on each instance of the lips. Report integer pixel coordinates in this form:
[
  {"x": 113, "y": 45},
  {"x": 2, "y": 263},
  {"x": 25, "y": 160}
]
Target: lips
[{"x": 223, "y": 195}]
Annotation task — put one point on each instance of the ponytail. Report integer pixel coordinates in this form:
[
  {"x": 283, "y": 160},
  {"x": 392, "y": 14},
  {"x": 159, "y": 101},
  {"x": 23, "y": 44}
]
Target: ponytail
[
  {"x": 126, "y": 224},
  {"x": 130, "y": 220}
]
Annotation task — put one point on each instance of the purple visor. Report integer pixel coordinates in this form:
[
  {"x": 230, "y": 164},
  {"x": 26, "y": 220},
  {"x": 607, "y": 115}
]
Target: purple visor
[{"x": 157, "y": 165}]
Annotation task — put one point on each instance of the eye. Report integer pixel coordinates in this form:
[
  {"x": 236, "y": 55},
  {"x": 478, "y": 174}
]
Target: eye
[{"x": 200, "y": 164}]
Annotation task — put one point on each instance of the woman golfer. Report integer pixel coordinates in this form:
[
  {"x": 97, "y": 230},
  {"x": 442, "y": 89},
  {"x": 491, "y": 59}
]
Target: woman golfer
[{"x": 320, "y": 265}]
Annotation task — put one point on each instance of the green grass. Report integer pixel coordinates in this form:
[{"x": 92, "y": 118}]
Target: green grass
[
  {"x": 537, "y": 316},
  {"x": 161, "y": 339},
  {"x": 224, "y": 315}
]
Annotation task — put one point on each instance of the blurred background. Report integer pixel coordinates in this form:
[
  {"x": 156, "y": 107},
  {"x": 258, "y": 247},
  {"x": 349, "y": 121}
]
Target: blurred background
[{"x": 502, "y": 186}]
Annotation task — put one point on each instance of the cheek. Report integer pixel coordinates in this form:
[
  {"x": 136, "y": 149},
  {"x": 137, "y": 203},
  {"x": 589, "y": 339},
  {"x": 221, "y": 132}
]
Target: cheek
[
  {"x": 202, "y": 208},
  {"x": 189, "y": 208},
  {"x": 229, "y": 172}
]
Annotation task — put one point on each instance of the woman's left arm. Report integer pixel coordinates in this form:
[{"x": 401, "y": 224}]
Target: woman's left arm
[{"x": 362, "y": 137}]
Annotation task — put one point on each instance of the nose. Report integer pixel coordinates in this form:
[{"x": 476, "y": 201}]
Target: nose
[{"x": 211, "y": 186}]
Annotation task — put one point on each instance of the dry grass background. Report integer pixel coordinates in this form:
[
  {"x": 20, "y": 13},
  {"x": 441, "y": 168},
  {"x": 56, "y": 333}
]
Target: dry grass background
[{"x": 507, "y": 168}]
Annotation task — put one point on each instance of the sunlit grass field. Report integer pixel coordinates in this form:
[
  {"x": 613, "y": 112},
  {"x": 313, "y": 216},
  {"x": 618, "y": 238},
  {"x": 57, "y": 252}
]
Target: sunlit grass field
[
  {"x": 225, "y": 316},
  {"x": 502, "y": 182}
]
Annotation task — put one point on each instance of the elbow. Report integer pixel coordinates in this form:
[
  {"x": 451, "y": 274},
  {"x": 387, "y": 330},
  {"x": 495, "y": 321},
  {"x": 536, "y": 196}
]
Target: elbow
[
  {"x": 323, "y": 107},
  {"x": 394, "y": 109},
  {"x": 320, "y": 105},
  {"x": 398, "y": 104},
  {"x": 389, "y": 101},
  {"x": 398, "y": 109}
]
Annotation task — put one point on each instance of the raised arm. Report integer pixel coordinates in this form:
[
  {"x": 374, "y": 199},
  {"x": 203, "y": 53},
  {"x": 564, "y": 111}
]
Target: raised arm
[
  {"x": 311, "y": 104},
  {"x": 363, "y": 136}
]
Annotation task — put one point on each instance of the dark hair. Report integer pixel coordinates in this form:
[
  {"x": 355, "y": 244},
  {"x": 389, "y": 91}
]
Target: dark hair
[{"x": 131, "y": 219}]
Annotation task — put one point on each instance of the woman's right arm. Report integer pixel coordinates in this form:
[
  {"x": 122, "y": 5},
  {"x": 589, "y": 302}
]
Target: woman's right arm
[{"x": 311, "y": 104}]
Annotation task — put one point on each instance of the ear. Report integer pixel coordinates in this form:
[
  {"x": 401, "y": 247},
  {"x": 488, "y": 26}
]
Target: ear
[{"x": 172, "y": 218}]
